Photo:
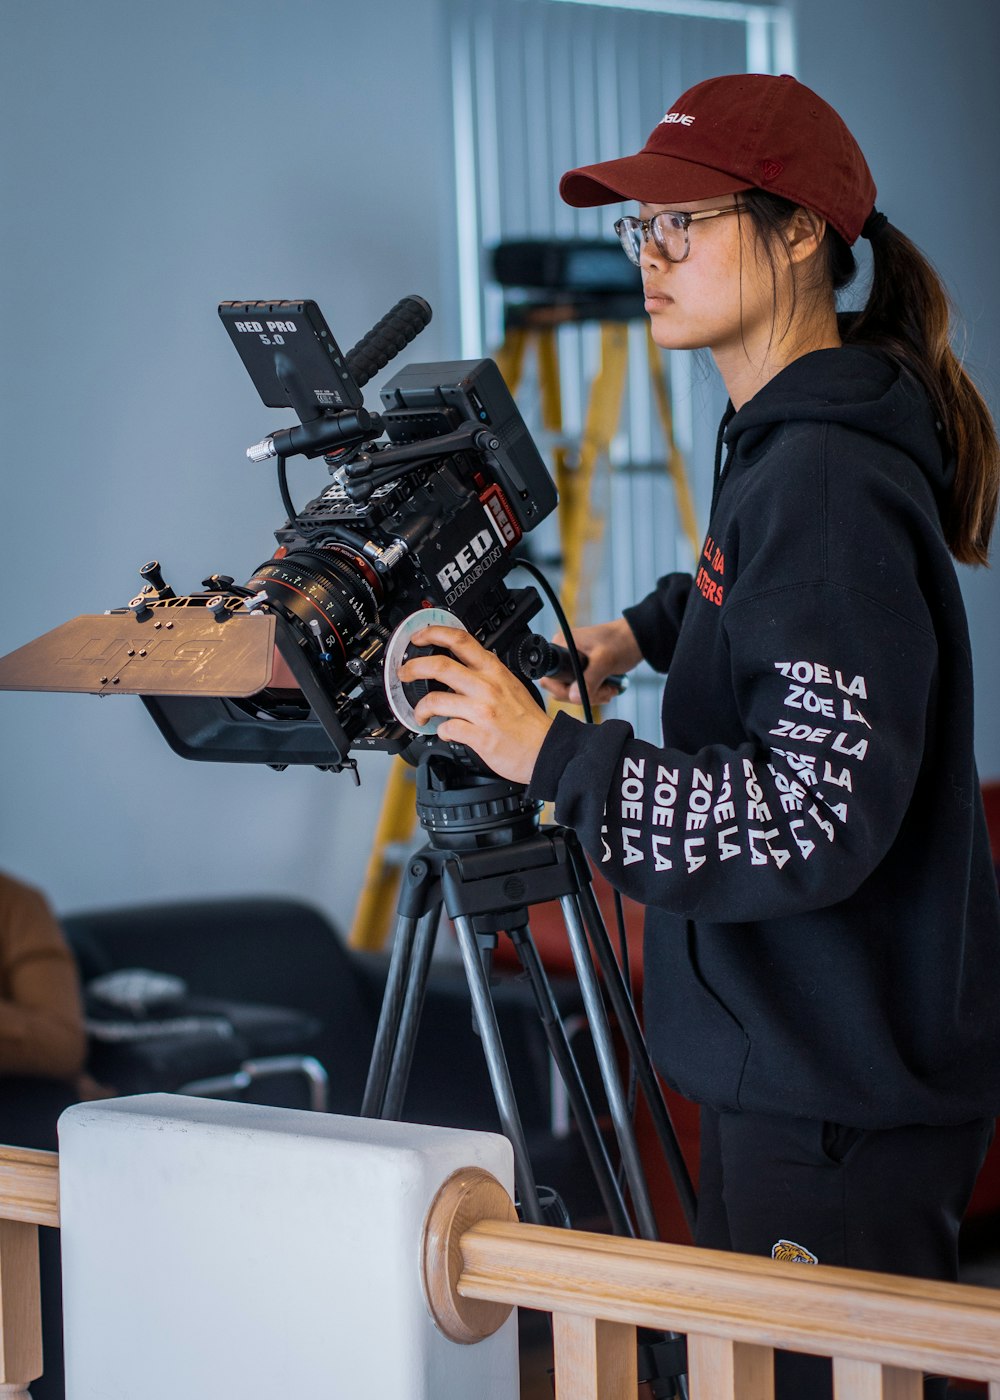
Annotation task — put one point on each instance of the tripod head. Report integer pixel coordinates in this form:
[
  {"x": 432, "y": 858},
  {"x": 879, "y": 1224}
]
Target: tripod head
[{"x": 463, "y": 809}]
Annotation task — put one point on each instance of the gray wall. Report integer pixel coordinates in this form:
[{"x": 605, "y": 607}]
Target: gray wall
[
  {"x": 160, "y": 158},
  {"x": 917, "y": 81}
]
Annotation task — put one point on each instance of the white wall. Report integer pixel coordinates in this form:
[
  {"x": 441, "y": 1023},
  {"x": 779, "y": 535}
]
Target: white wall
[
  {"x": 160, "y": 158},
  {"x": 916, "y": 81}
]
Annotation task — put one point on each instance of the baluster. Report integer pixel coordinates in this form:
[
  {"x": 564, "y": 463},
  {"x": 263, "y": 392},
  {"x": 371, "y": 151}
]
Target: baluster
[
  {"x": 867, "y": 1380},
  {"x": 20, "y": 1308},
  {"x": 721, "y": 1369},
  {"x": 594, "y": 1360}
]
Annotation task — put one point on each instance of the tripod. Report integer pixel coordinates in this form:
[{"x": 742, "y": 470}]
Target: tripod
[{"x": 486, "y": 863}]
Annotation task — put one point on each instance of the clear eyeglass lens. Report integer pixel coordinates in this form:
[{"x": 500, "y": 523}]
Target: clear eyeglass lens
[
  {"x": 668, "y": 230},
  {"x": 629, "y": 232},
  {"x": 670, "y": 235}
]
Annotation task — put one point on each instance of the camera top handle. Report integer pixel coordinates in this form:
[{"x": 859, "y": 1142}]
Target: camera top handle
[{"x": 387, "y": 338}]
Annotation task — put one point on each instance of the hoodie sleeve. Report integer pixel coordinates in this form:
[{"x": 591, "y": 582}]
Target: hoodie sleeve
[
  {"x": 656, "y": 621},
  {"x": 832, "y": 690}
]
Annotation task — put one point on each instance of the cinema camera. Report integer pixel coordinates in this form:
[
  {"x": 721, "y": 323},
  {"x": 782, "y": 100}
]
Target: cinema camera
[{"x": 299, "y": 665}]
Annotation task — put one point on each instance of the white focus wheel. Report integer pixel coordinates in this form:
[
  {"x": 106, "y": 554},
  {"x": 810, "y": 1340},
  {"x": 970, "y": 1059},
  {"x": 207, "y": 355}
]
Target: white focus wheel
[{"x": 395, "y": 652}]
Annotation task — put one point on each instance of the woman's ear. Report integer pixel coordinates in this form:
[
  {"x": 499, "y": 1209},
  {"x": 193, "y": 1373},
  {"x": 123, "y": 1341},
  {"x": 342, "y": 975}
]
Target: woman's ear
[{"x": 804, "y": 234}]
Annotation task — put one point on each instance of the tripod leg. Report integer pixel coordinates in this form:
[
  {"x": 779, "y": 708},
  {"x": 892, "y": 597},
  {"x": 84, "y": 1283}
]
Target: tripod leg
[
  {"x": 624, "y": 1011},
  {"x": 413, "y": 1005},
  {"x": 496, "y": 1063},
  {"x": 661, "y": 1358},
  {"x": 601, "y": 1032},
  {"x": 562, "y": 1054},
  {"x": 389, "y": 1017}
]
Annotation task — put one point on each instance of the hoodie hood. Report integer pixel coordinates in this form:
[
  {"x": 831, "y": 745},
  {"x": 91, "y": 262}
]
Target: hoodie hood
[{"x": 856, "y": 387}]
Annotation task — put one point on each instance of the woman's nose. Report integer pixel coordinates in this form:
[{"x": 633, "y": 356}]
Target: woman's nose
[{"x": 650, "y": 255}]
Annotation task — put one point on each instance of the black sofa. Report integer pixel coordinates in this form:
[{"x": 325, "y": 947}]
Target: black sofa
[{"x": 284, "y": 955}]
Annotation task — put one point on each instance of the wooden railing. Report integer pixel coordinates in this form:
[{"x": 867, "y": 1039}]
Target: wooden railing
[
  {"x": 882, "y": 1332},
  {"x": 29, "y": 1197}
]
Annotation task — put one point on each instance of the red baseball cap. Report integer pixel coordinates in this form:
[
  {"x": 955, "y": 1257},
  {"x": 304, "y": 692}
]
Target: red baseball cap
[{"x": 740, "y": 132}]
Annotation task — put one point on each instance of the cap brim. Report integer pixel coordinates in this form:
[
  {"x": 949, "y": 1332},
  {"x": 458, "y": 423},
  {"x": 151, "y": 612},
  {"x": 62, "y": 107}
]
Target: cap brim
[{"x": 648, "y": 178}]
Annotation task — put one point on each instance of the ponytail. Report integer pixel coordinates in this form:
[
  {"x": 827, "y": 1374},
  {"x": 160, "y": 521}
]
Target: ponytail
[{"x": 908, "y": 313}]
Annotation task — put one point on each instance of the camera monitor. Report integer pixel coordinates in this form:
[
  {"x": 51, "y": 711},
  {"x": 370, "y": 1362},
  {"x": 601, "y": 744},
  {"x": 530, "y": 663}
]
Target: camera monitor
[{"x": 291, "y": 356}]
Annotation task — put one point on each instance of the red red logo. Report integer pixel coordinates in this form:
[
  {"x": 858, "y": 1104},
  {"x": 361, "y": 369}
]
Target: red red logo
[{"x": 771, "y": 169}]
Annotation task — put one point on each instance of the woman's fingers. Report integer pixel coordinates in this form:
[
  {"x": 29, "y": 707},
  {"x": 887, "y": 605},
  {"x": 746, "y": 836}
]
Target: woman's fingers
[
  {"x": 484, "y": 707},
  {"x": 472, "y": 674},
  {"x": 445, "y": 669},
  {"x": 598, "y": 690},
  {"x": 448, "y": 704},
  {"x": 459, "y": 642}
]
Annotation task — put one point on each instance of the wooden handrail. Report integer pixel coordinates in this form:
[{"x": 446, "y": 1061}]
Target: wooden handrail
[
  {"x": 913, "y": 1323},
  {"x": 864, "y": 1319},
  {"x": 29, "y": 1186},
  {"x": 29, "y": 1197}
]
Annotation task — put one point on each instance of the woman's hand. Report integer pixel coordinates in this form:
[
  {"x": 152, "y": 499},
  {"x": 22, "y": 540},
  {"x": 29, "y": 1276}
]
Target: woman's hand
[
  {"x": 610, "y": 648},
  {"x": 485, "y": 706}
]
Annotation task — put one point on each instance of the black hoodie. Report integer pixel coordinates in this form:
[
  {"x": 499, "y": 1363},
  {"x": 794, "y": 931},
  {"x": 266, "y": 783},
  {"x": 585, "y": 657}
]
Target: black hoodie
[{"x": 823, "y": 926}]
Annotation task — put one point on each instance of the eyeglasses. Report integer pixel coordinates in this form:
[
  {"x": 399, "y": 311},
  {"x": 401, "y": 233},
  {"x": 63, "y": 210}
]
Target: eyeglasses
[{"x": 669, "y": 229}]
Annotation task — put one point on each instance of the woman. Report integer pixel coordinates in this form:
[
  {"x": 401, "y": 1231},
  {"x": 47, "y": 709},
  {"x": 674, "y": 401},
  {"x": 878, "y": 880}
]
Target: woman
[{"x": 822, "y": 957}]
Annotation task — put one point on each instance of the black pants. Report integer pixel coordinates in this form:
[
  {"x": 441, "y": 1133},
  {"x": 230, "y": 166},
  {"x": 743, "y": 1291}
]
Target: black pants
[{"x": 889, "y": 1200}]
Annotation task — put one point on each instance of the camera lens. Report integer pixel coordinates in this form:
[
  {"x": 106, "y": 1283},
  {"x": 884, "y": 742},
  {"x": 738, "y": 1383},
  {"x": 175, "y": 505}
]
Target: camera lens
[{"x": 333, "y": 586}]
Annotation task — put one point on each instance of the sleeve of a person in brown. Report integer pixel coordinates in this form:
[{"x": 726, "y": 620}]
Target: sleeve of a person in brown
[{"x": 41, "y": 1013}]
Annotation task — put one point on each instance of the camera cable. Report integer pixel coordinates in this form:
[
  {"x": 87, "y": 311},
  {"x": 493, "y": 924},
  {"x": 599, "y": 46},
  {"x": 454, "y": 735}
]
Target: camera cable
[
  {"x": 578, "y": 668},
  {"x": 286, "y": 499}
]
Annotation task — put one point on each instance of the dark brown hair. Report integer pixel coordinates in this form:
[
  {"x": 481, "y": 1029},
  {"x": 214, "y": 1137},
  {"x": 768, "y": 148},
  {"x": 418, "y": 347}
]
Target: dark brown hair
[{"x": 908, "y": 314}]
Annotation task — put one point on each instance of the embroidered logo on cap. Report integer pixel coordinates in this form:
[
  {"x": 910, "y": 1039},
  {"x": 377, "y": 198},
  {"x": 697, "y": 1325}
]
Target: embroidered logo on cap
[
  {"x": 678, "y": 118},
  {"x": 792, "y": 1253},
  {"x": 771, "y": 169}
]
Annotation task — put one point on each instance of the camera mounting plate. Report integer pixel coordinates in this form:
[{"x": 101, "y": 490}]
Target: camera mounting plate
[{"x": 173, "y": 651}]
